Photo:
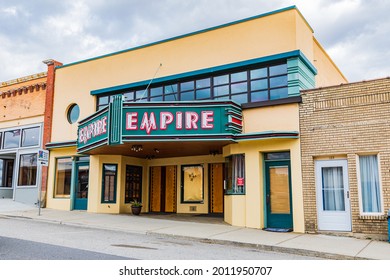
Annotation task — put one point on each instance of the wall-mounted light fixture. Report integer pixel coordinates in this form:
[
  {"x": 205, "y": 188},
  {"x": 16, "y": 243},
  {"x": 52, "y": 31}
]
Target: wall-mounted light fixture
[{"x": 137, "y": 148}]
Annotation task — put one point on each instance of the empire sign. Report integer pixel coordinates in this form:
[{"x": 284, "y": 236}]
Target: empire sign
[{"x": 125, "y": 122}]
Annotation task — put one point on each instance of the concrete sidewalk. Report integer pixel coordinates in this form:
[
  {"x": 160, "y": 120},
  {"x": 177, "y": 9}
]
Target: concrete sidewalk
[{"x": 211, "y": 230}]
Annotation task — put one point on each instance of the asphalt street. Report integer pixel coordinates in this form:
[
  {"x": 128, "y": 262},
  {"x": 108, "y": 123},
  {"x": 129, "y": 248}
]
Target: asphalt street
[{"x": 22, "y": 239}]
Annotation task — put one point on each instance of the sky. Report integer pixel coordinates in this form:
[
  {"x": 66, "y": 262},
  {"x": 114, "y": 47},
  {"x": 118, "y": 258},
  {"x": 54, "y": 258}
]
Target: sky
[{"x": 355, "y": 33}]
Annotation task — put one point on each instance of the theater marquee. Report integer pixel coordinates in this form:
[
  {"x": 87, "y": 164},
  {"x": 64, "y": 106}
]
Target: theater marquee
[{"x": 125, "y": 122}]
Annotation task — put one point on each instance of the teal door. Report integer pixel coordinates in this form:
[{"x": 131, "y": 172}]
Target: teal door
[
  {"x": 278, "y": 194},
  {"x": 81, "y": 186}
]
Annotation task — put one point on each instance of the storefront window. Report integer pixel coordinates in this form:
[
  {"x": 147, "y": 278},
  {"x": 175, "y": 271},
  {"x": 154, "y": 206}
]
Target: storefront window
[
  {"x": 235, "y": 174},
  {"x": 30, "y": 137},
  {"x": 6, "y": 171},
  {"x": 109, "y": 183},
  {"x": 28, "y": 170},
  {"x": 11, "y": 139},
  {"x": 63, "y": 177},
  {"x": 133, "y": 185},
  {"x": 192, "y": 182}
]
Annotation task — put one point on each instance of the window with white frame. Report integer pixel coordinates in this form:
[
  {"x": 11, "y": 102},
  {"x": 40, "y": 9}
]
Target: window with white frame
[{"x": 369, "y": 185}]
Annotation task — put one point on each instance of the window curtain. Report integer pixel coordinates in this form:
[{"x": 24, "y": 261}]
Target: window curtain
[
  {"x": 238, "y": 172},
  {"x": 369, "y": 184},
  {"x": 333, "y": 189}
]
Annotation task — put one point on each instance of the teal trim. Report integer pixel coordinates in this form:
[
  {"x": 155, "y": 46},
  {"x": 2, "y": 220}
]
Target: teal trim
[
  {"x": 115, "y": 121},
  {"x": 73, "y": 186},
  {"x": 56, "y": 145},
  {"x": 185, "y": 35},
  {"x": 300, "y": 75},
  {"x": 211, "y": 70}
]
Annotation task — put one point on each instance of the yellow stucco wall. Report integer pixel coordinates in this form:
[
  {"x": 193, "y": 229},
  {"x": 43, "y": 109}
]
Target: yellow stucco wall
[
  {"x": 254, "y": 213},
  {"x": 264, "y": 36},
  {"x": 281, "y": 117},
  {"x": 329, "y": 73},
  {"x": 51, "y": 202}
]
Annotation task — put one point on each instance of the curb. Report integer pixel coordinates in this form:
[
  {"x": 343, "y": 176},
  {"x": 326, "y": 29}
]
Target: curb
[{"x": 270, "y": 248}]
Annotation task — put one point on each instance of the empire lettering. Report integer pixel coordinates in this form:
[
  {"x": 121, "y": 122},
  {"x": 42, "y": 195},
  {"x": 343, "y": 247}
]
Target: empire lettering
[
  {"x": 179, "y": 120},
  {"x": 93, "y": 129}
]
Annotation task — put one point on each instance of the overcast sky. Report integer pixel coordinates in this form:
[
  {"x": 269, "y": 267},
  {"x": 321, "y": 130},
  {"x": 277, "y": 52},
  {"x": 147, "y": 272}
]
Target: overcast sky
[{"x": 355, "y": 33}]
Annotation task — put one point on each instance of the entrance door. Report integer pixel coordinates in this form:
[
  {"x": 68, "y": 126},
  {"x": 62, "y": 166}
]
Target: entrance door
[
  {"x": 81, "y": 186},
  {"x": 333, "y": 206},
  {"x": 163, "y": 189},
  {"x": 216, "y": 187},
  {"x": 278, "y": 194}
]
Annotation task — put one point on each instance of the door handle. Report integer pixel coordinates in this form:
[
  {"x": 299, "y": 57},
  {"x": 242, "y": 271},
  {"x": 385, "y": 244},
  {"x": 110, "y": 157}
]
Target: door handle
[
  {"x": 347, "y": 194},
  {"x": 267, "y": 199}
]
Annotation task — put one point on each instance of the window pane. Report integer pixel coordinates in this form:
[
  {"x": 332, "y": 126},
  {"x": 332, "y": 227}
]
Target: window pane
[
  {"x": 369, "y": 184},
  {"x": 333, "y": 189},
  {"x": 170, "y": 88},
  {"x": 63, "y": 177},
  {"x": 109, "y": 183},
  {"x": 220, "y": 80},
  {"x": 129, "y": 96},
  {"x": 203, "y": 83},
  {"x": 187, "y": 96},
  {"x": 278, "y": 70},
  {"x": 141, "y": 94},
  {"x": 278, "y": 82},
  {"x": 221, "y": 91},
  {"x": 187, "y": 86},
  {"x": 259, "y": 96},
  {"x": 157, "y": 98},
  {"x": 278, "y": 93},
  {"x": 259, "y": 73},
  {"x": 240, "y": 98},
  {"x": 277, "y": 156},
  {"x": 6, "y": 173},
  {"x": 240, "y": 87},
  {"x": 203, "y": 93},
  {"x": 73, "y": 113},
  {"x": 171, "y": 97},
  {"x": 238, "y": 77},
  {"x": 30, "y": 136},
  {"x": 11, "y": 139},
  {"x": 259, "y": 84},
  {"x": 103, "y": 100},
  {"x": 236, "y": 175},
  {"x": 28, "y": 170},
  {"x": 133, "y": 184},
  {"x": 156, "y": 91}
]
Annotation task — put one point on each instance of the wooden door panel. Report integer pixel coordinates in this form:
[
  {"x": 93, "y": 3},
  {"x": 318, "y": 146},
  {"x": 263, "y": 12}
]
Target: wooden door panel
[
  {"x": 155, "y": 189},
  {"x": 170, "y": 189},
  {"x": 216, "y": 188}
]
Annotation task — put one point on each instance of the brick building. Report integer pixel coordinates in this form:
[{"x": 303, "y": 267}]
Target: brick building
[
  {"x": 25, "y": 127},
  {"x": 346, "y": 158}
]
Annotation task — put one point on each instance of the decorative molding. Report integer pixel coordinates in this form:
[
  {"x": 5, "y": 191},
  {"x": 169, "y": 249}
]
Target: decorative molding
[
  {"x": 23, "y": 90},
  {"x": 367, "y": 99}
]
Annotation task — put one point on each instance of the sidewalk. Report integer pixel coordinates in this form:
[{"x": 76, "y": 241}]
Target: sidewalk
[{"x": 333, "y": 247}]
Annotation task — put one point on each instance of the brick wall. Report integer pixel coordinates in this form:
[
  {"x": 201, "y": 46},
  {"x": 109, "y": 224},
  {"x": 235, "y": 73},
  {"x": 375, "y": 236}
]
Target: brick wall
[
  {"x": 343, "y": 122},
  {"x": 23, "y": 98}
]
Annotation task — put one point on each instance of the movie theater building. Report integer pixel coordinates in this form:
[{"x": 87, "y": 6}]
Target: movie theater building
[
  {"x": 25, "y": 114},
  {"x": 206, "y": 122}
]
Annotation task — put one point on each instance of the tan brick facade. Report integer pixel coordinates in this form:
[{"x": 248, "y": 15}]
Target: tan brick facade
[{"x": 344, "y": 122}]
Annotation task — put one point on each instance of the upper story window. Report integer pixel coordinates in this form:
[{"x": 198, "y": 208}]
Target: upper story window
[
  {"x": 11, "y": 139},
  {"x": 24, "y": 137},
  {"x": 73, "y": 113},
  {"x": 243, "y": 86}
]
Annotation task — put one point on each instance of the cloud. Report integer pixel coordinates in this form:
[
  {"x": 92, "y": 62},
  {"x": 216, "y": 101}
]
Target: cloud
[{"x": 354, "y": 32}]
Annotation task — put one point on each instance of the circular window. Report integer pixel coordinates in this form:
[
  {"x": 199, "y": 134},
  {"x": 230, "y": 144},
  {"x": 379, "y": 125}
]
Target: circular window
[{"x": 73, "y": 113}]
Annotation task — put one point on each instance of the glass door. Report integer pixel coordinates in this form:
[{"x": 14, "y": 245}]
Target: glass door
[
  {"x": 333, "y": 206},
  {"x": 81, "y": 186},
  {"x": 278, "y": 195}
]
